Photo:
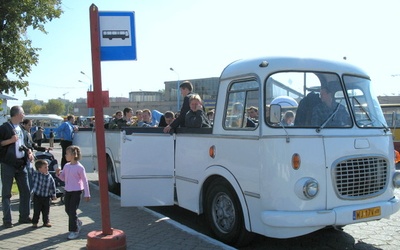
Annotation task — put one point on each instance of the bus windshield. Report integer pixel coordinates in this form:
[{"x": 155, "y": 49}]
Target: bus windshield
[{"x": 321, "y": 100}]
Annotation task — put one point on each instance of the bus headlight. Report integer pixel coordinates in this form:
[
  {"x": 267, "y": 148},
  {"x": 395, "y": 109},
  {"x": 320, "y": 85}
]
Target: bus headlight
[
  {"x": 307, "y": 188},
  {"x": 396, "y": 179}
]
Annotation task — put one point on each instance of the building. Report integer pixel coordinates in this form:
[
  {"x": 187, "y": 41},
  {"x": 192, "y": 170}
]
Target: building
[
  {"x": 162, "y": 101},
  {"x": 3, "y": 107}
]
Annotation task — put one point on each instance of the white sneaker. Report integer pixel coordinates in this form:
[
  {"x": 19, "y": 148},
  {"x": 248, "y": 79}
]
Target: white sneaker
[
  {"x": 79, "y": 225},
  {"x": 73, "y": 235}
]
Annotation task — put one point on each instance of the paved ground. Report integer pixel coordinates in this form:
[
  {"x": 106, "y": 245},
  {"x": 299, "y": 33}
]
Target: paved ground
[{"x": 143, "y": 228}]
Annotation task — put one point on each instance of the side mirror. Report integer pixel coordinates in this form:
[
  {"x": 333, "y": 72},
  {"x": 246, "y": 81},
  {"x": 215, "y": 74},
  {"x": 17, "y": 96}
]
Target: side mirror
[{"x": 275, "y": 113}]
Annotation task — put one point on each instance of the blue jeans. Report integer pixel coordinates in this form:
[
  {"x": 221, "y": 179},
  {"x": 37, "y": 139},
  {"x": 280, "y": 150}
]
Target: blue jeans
[{"x": 8, "y": 173}]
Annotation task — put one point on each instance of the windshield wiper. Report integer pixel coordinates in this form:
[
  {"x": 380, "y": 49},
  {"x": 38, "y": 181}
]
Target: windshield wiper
[
  {"x": 386, "y": 128},
  {"x": 329, "y": 118}
]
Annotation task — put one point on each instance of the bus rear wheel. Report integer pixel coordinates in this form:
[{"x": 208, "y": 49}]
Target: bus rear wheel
[
  {"x": 224, "y": 214},
  {"x": 113, "y": 186}
]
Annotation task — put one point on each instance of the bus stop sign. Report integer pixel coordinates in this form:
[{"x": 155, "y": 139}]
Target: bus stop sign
[{"x": 117, "y": 36}]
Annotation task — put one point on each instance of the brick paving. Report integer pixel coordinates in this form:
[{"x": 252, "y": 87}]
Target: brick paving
[{"x": 143, "y": 229}]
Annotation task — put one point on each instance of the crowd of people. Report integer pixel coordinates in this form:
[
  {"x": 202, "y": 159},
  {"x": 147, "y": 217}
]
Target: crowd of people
[{"x": 192, "y": 114}]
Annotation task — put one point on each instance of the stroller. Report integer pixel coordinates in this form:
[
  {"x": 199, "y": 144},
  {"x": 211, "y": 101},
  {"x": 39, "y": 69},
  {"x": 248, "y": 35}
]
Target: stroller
[{"x": 53, "y": 164}]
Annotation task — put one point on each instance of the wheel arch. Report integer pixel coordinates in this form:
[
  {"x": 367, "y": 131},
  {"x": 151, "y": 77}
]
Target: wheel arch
[{"x": 215, "y": 172}]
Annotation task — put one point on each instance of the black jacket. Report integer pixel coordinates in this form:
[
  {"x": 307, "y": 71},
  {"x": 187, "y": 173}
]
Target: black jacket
[
  {"x": 180, "y": 120},
  {"x": 197, "y": 119},
  {"x": 7, "y": 153}
]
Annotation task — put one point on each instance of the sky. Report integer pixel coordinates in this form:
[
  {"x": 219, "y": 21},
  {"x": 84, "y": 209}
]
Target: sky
[{"x": 199, "y": 38}]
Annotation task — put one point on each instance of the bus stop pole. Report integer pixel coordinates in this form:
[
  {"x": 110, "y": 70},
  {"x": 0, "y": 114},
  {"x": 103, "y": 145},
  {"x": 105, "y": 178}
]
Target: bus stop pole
[{"x": 108, "y": 238}]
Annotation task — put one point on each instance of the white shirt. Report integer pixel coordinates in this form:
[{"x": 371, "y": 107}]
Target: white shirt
[{"x": 18, "y": 131}]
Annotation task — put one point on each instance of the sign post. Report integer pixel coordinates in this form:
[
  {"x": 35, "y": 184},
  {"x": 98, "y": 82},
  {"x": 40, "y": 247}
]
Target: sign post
[{"x": 111, "y": 39}]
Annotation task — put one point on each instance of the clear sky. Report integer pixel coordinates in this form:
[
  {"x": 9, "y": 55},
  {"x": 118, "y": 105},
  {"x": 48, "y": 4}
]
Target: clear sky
[{"x": 198, "y": 38}]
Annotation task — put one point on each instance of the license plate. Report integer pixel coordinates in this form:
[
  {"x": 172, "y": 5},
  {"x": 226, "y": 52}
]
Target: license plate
[{"x": 366, "y": 213}]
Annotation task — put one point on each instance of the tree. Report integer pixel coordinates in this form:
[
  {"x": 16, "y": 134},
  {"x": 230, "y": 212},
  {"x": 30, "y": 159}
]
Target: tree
[
  {"x": 54, "y": 106},
  {"x": 29, "y": 106},
  {"x": 16, "y": 52}
]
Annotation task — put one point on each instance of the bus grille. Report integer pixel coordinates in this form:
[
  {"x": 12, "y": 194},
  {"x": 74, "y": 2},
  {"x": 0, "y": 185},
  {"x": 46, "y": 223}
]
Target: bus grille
[{"x": 361, "y": 177}]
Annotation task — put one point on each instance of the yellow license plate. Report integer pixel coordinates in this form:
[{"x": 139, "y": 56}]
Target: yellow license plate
[{"x": 366, "y": 213}]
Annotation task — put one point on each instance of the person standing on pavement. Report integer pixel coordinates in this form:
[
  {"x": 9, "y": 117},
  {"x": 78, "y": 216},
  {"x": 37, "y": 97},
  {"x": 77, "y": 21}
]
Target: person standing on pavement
[
  {"x": 66, "y": 132},
  {"x": 14, "y": 157},
  {"x": 51, "y": 138},
  {"x": 44, "y": 190},
  {"x": 76, "y": 181},
  {"x": 39, "y": 136}
]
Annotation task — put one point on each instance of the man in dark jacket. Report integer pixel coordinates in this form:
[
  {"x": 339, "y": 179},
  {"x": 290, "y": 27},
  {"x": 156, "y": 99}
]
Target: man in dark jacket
[
  {"x": 186, "y": 90},
  {"x": 14, "y": 160}
]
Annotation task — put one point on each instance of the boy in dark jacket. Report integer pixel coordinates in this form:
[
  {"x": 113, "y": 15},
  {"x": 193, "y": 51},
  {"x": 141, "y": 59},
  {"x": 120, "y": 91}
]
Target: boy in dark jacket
[{"x": 186, "y": 90}]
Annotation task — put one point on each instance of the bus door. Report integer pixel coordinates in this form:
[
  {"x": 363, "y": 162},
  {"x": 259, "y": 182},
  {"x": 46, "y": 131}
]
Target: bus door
[{"x": 147, "y": 169}]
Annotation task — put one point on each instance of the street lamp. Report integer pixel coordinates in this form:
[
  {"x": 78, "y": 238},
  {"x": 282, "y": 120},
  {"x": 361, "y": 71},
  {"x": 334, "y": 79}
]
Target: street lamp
[
  {"x": 177, "y": 90},
  {"x": 83, "y": 82},
  {"x": 90, "y": 80},
  {"x": 90, "y": 89}
]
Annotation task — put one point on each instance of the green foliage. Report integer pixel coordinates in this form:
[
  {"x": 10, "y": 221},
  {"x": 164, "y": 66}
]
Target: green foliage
[
  {"x": 54, "y": 106},
  {"x": 16, "y": 52},
  {"x": 29, "y": 106}
]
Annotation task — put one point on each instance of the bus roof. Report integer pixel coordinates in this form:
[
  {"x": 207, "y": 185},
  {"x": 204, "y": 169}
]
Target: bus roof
[{"x": 44, "y": 116}]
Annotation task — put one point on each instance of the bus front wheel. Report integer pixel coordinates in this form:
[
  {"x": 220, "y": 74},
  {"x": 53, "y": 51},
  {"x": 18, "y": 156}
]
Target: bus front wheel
[{"x": 224, "y": 214}]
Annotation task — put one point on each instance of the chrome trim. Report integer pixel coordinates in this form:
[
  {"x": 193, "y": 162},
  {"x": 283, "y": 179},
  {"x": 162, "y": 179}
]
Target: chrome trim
[
  {"x": 252, "y": 194},
  {"x": 178, "y": 177},
  {"x": 139, "y": 177}
]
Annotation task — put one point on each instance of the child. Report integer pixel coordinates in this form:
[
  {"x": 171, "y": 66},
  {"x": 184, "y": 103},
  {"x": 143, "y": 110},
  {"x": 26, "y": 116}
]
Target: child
[
  {"x": 75, "y": 179},
  {"x": 44, "y": 189}
]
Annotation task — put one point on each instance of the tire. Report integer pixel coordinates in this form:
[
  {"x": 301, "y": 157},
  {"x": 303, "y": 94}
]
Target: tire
[
  {"x": 113, "y": 186},
  {"x": 224, "y": 214}
]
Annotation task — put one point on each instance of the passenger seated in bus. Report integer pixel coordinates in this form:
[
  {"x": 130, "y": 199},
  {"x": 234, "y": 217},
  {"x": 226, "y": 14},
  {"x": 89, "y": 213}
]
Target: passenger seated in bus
[
  {"x": 210, "y": 116},
  {"x": 146, "y": 119},
  {"x": 155, "y": 117},
  {"x": 138, "y": 114},
  {"x": 127, "y": 119},
  {"x": 235, "y": 118},
  {"x": 113, "y": 124},
  {"x": 166, "y": 119},
  {"x": 195, "y": 117},
  {"x": 252, "y": 112},
  {"x": 288, "y": 119},
  {"x": 326, "y": 108},
  {"x": 252, "y": 117}
]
